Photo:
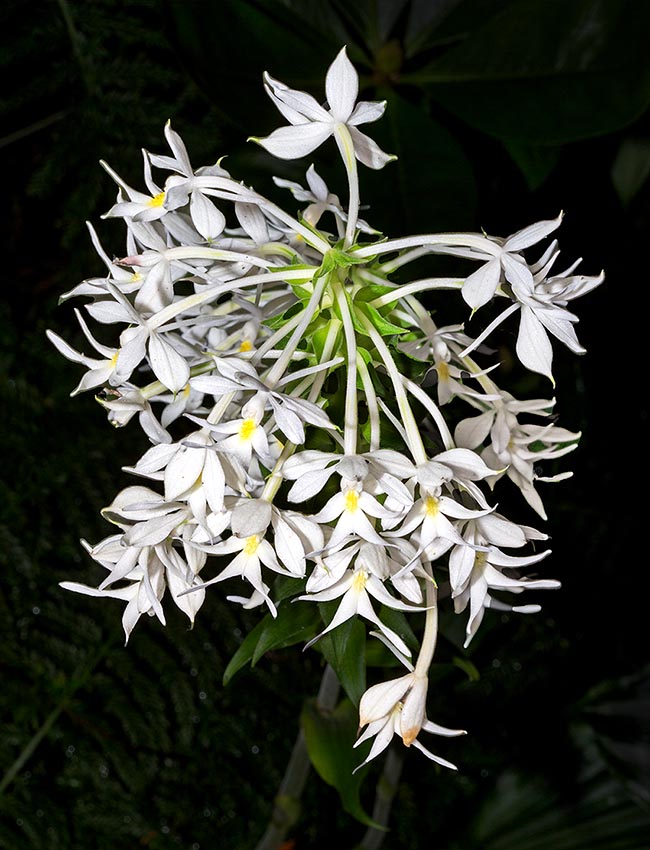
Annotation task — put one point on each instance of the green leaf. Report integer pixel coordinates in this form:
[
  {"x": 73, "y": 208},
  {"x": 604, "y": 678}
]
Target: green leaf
[
  {"x": 370, "y": 291},
  {"x": 398, "y": 622},
  {"x": 381, "y": 324},
  {"x": 631, "y": 168},
  {"x": 536, "y": 162},
  {"x": 245, "y": 652},
  {"x": 294, "y": 624},
  {"x": 330, "y": 737},
  {"x": 345, "y": 648},
  {"x": 319, "y": 337},
  {"x": 467, "y": 667},
  {"x": 547, "y": 71}
]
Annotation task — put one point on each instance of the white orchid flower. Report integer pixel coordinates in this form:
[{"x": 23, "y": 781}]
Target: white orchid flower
[
  {"x": 398, "y": 707},
  {"x": 311, "y": 124}
]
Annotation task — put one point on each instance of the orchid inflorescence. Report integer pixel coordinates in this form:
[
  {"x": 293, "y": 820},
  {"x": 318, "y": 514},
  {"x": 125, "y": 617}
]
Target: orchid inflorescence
[{"x": 309, "y": 419}]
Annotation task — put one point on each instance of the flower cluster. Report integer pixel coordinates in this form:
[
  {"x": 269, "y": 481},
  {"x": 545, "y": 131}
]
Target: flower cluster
[{"x": 308, "y": 417}]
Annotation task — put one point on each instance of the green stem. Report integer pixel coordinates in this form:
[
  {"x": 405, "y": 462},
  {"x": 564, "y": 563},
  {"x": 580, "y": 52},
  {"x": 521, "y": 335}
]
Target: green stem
[
  {"x": 430, "y": 636},
  {"x": 346, "y": 147},
  {"x": 410, "y": 425},
  {"x": 280, "y": 365},
  {"x": 433, "y": 240},
  {"x": 286, "y": 807},
  {"x": 384, "y": 796}
]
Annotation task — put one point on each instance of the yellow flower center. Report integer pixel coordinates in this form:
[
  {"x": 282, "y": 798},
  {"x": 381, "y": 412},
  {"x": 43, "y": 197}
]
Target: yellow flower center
[
  {"x": 246, "y": 345},
  {"x": 251, "y": 545},
  {"x": 157, "y": 200},
  {"x": 351, "y": 501},
  {"x": 443, "y": 370},
  {"x": 359, "y": 580},
  {"x": 480, "y": 559},
  {"x": 247, "y": 429},
  {"x": 114, "y": 359},
  {"x": 431, "y": 506}
]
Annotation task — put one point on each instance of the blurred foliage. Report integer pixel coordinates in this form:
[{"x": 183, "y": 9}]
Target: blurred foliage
[{"x": 502, "y": 112}]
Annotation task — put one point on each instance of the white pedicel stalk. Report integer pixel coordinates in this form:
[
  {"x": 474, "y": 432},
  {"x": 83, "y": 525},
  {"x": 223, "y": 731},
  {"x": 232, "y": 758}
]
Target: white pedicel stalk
[{"x": 232, "y": 347}]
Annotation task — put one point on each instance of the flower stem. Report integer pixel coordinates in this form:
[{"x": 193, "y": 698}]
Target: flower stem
[
  {"x": 410, "y": 425},
  {"x": 351, "y": 401},
  {"x": 346, "y": 147},
  {"x": 430, "y": 636},
  {"x": 280, "y": 365}
]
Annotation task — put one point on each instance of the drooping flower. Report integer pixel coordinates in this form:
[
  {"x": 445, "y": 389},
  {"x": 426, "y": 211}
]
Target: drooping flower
[{"x": 398, "y": 707}]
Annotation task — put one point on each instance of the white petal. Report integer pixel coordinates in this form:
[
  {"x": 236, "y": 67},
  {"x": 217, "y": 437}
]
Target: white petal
[
  {"x": 289, "y": 423},
  {"x": 480, "y": 286},
  {"x": 366, "y": 111},
  {"x": 183, "y": 471},
  {"x": 169, "y": 367},
  {"x": 252, "y": 220},
  {"x": 308, "y": 485},
  {"x": 533, "y": 348},
  {"x": 294, "y": 105},
  {"x": 207, "y": 219},
  {"x": 531, "y": 235},
  {"x": 341, "y": 87},
  {"x": 471, "y": 432},
  {"x": 296, "y": 141},
  {"x": 317, "y": 185},
  {"x": 178, "y": 149},
  {"x": 381, "y": 699},
  {"x": 109, "y": 312},
  {"x": 251, "y": 517},
  {"x": 369, "y": 152},
  {"x": 465, "y": 463},
  {"x": 130, "y": 355},
  {"x": 517, "y": 273}
]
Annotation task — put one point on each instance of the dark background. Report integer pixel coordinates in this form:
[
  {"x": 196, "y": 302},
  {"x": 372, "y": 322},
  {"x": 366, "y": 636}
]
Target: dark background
[{"x": 503, "y": 112}]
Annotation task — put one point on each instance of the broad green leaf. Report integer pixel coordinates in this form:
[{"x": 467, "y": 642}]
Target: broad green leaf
[
  {"x": 245, "y": 652},
  {"x": 330, "y": 737},
  {"x": 400, "y": 623},
  {"x": 344, "y": 649},
  {"x": 547, "y": 71},
  {"x": 381, "y": 324},
  {"x": 295, "y": 623},
  {"x": 536, "y": 162},
  {"x": 467, "y": 667},
  {"x": 631, "y": 168}
]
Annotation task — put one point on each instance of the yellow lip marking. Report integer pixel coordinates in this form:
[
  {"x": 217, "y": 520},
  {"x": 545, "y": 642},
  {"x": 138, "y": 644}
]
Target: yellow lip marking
[
  {"x": 431, "y": 506},
  {"x": 359, "y": 580},
  {"x": 247, "y": 429},
  {"x": 157, "y": 200},
  {"x": 351, "y": 501},
  {"x": 251, "y": 545},
  {"x": 443, "y": 370}
]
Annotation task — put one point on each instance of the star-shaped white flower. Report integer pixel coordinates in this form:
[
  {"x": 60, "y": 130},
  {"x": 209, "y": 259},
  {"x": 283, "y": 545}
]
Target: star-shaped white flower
[{"x": 311, "y": 124}]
